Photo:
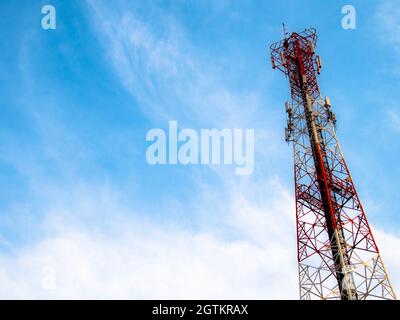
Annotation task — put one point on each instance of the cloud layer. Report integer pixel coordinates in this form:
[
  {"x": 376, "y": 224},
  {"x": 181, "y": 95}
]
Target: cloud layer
[{"x": 132, "y": 257}]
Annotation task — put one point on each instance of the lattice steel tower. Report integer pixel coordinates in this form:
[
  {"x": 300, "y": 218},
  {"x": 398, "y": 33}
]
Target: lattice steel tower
[{"x": 337, "y": 254}]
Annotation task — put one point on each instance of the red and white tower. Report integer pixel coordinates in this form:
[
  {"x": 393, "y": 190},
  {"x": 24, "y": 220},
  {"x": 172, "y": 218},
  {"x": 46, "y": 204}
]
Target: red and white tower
[{"x": 337, "y": 254}]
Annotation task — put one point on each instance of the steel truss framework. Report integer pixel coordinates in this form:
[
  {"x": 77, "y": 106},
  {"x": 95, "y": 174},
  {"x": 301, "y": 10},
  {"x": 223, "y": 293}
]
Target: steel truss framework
[{"x": 337, "y": 254}]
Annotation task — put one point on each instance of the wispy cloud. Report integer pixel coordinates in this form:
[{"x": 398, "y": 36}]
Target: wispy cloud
[
  {"x": 394, "y": 120},
  {"x": 165, "y": 72}
]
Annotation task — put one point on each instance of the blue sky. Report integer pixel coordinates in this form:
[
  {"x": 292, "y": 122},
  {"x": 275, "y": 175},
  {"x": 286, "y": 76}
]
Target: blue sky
[{"x": 77, "y": 195}]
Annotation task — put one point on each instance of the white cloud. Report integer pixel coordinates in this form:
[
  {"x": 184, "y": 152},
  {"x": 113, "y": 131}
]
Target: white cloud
[
  {"x": 388, "y": 245},
  {"x": 137, "y": 258}
]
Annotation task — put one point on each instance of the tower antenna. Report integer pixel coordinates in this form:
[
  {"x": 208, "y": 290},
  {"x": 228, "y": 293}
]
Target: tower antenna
[{"x": 337, "y": 254}]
